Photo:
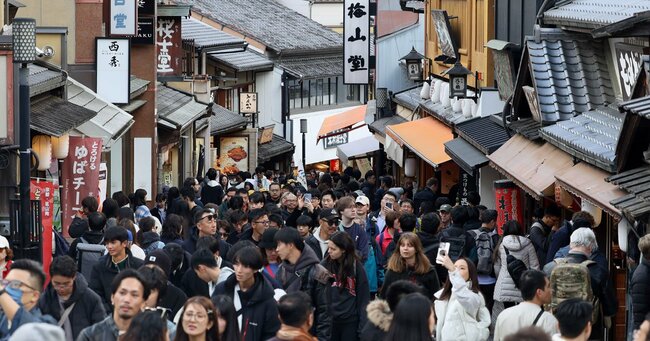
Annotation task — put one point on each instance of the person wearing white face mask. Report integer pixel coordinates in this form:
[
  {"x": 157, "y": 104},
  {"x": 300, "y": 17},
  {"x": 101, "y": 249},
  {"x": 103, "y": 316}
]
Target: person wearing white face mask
[{"x": 6, "y": 255}]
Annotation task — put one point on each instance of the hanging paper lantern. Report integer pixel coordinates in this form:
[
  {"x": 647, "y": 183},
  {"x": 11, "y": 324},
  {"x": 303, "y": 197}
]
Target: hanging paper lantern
[
  {"x": 624, "y": 227},
  {"x": 409, "y": 166},
  {"x": 594, "y": 210},
  {"x": 42, "y": 147},
  {"x": 60, "y": 146},
  {"x": 425, "y": 93}
]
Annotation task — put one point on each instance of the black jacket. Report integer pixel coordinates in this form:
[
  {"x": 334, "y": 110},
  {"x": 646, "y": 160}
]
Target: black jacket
[
  {"x": 192, "y": 285},
  {"x": 77, "y": 227},
  {"x": 640, "y": 291},
  {"x": 379, "y": 319},
  {"x": 176, "y": 276},
  {"x": 173, "y": 299},
  {"x": 429, "y": 281},
  {"x": 103, "y": 273},
  {"x": 315, "y": 245},
  {"x": 189, "y": 244},
  {"x": 425, "y": 194},
  {"x": 93, "y": 237},
  {"x": 541, "y": 238},
  {"x": 88, "y": 308},
  {"x": 105, "y": 330},
  {"x": 212, "y": 194},
  {"x": 260, "y": 314}
]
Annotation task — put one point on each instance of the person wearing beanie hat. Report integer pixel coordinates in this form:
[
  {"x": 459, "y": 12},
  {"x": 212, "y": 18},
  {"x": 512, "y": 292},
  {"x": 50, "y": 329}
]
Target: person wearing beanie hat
[{"x": 161, "y": 259}]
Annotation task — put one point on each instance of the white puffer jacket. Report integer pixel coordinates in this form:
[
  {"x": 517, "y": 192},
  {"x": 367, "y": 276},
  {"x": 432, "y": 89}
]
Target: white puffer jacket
[
  {"x": 464, "y": 316},
  {"x": 522, "y": 248}
]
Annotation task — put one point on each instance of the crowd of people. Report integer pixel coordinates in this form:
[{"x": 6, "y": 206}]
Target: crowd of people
[{"x": 348, "y": 257}]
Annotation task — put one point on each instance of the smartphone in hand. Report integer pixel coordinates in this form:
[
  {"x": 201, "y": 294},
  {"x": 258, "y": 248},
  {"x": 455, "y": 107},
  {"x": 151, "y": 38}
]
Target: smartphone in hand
[
  {"x": 307, "y": 197},
  {"x": 443, "y": 250},
  {"x": 389, "y": 205}
]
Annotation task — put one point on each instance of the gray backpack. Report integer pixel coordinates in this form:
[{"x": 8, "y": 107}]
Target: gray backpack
[
  {"x": 484, "y": 251},
  {"x": 88, "y": 255}
]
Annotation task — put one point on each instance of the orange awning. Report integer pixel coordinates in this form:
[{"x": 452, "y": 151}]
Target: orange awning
[
  {"x": 426, "y": 137},
  {"x": 343, "y": 122},
  {"x": 588, "y": 183},
  {"x": 532, "y": 166}
]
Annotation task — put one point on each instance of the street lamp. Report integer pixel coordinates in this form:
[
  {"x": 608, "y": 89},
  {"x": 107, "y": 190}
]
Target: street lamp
[
  {"x": 24, "y": 45},
  {"x": 303, "y": 131},
  {"x": 414, "y": 64},
  {"x": 457, "y": 80}
]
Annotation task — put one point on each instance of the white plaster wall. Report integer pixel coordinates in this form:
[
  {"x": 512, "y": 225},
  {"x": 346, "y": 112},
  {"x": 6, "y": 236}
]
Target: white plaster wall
[
  {"x": 328, "y": 14},
  {"x": 487, "y": 177},
  {"x": 269, "y": 99},
  {"x": 300, "y": 6}
]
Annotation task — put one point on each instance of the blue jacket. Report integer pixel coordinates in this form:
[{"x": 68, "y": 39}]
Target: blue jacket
[
  {"x": 360, "y": 238},
  {"x": 22, "y": 317}
]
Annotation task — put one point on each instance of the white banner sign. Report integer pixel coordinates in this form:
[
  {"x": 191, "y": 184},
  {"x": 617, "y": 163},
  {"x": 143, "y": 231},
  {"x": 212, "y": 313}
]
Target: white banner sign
[
  {"x": 248, "y": 102},
  {"x": 113, "y": 67},
  {"x": 124, "y": 17},
  {"x": 356, "y": 42}
]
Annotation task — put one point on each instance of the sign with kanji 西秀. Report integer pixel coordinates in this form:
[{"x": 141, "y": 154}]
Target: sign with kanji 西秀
[
  {"x": 123, "y": 17},
  {"x": 248, "y": 102},
  {"x": 113, "y": 64},
  {"x": 356, "y": 42}
]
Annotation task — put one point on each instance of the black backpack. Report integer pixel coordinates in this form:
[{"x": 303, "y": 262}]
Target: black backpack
[
  {"x": 456, "y": 245},
  {"x": 516, "y": 267}
]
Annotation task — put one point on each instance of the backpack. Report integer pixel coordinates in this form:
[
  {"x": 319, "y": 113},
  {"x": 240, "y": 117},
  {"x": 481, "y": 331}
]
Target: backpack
[
  {"x": 456, "y": 245},
  {"x": 88, "y": 255},
  {"x": 484, "y": 251},
  {"x": 61, "y": 245},
  {"x": 572, "y": 280},
  {"x": 515, "y": 266}
]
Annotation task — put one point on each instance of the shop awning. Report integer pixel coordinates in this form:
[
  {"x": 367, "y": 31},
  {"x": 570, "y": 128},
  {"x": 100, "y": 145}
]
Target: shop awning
[
  {"x": 344, "y": 122},
  {"x": 277, "y": 146},
  {"x": 465, "y": 155},
  {"x": 55, "y": 116},
  {"x": 531, "y": 165},
  {"x": 588, "y": 183},
  {"x": 355, "y": 148},
  {"x": 636, "y": 199},
  {"x": 425, "y": 137}
]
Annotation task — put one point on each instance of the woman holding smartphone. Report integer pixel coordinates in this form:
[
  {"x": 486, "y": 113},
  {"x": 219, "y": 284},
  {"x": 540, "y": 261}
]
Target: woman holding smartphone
[{"x": 411, "y": 264}]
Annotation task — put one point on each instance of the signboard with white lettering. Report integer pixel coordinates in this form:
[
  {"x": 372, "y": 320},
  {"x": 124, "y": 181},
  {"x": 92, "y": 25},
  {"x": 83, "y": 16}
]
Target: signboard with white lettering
[
  {"x": 113, "y": 65},
  {"x": 123, "y": 17},
  {"x": 146, "y": 30},
  {"x": 248, "y": 102},
  {"x": 335, "y": 139},
  {"x": 356, "y": 42}
]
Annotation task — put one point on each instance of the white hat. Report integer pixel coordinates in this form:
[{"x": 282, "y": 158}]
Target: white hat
[
  {"x": 362, "y": 199},
  {"x": 3, "y": 242}
]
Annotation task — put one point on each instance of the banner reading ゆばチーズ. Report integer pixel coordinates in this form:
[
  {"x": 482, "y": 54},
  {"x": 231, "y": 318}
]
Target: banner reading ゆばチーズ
[{"x": 80, "y": 176}]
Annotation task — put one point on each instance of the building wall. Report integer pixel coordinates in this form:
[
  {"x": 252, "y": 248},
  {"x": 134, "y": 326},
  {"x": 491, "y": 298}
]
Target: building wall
[
  {"x": 269, "y": 99},
  {"x": 487, "y": 177},
  {"x": 391, "y": 73},
  {"x": 516, "y": 19},
  {"x": 328, "y": 14}
]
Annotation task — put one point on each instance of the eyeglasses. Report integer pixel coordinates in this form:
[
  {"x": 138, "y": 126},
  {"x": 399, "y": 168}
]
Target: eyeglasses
[
  {"x": 263, "y": 222},
  {"x": 162, "y": 310},
  {"x": 15, "y": 284},
  {"x": 209, "y": 217},
  {"x": 224, "y": 234},
  {"x": 199, "y": 317},
  {"x": 333, "y": 222},
  {"x": 62, "y": 285}
]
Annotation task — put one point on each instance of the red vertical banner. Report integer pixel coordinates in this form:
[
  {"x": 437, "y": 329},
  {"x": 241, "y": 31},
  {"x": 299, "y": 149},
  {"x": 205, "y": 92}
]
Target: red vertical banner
[
  {"x": 79, "y": 176},
  {"x": 44, "y": 192},
  {"x": 335, "y": 165},
  {"x": 508, "y": 204}
]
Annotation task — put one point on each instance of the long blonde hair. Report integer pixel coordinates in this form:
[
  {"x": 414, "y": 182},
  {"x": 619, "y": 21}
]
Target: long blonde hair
[{"x": 397, "y": 263}]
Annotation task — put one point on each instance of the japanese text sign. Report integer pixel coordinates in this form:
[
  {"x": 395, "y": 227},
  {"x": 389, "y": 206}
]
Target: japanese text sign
[
  {"x": 336, "y": 138},
  {"x": 356, "y": 42},
  {"x": 123, "y": 17},
  {"x": 113, "y": 68},
  {"x": 43, "y": 191},
  {"x": 248, "y": 102},
  {"x": 80, "y": 176},
  {"x": 508, "y": 203}
]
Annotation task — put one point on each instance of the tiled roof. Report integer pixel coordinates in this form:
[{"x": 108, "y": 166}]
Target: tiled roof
[
  {"x": 137, "y": 86},
  {"x": 206, "y": 36},
  {"x": 177, "y": 107},
  {"x": 465, "y": 155},
  {"x": 42, "y": 79},
  {"x": 224, "y": 120},
  {"x": 570, "y": 76},
  {"x": 277, "y": 146},
  {"x": 313, "y": 67},
  {"x": 270, "y": 23},
  {"x": 639, "y": 106},
  {"x": 591, "y": 136},
  {"x": 409, "y": 98},
  {"x": 637, "y": 183},
  {"x": 55, "y": 116},
  {"x": 527, "y": 127},
  {"x": 593, "y": 14},
  {"x": 379, "y": 126},
  {"x": 483, "y": 133},
  {"x": 243, "y": 61}
]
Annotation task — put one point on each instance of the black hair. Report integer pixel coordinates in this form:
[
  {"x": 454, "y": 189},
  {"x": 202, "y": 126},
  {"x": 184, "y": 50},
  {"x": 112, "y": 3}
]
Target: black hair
[
  {"x": 510, "y": 227},
  {"x": 328, "y": 192},
  {"x": 96, "y": 221},
  {"x": 411, "y": 319},
  {"x": 237, "y": 216},
  {"x": 90, "y": 203},
  {"x": 121, "y": 198},
  {"x": 426, "y": 207},
  {"x": 488, "y": 215},
  {"x": 238, "y": 246},
  {"x": 160, "y": 197},
  {"x": 343, "y": 267},
  {"x": 116, "y": 233},
  {"x": 125, "y": 213},
  {"x": 225, "y": 308},
  {"x": 552, "y": 211},
  {"x": 398, "y": 289},
  {"x": 430, "y": 223},
  {"x": 304, "y": 220},
  {"x": 276, "y": 218},
  {"x": 573, "y": 315},
  {"x": 63, "y": 266},
  {"x": 140, "y": 197},
  {"x": 155, "y": 278},
  {"x": 208, "y": 242},
  {"x": 459, "y": 215},
  {"x": 146, "y": 325},
  {"x": 387, "y": 181},
  {"x": 530, "y": 333},
  {"x": 199, "y": 214},
  {"x": 130, "y": 273},
  {"x": 211, "y": 174},
  {"x": 473, "y": 277},
  {"x": 255, "y": 214},
  {"x": 172, "y": 227},
  {"x": 392, "y": 194},
  {"x": 290, "y": 235},
  {"x": 294, "y": 309},
  {"x": 407, "y": 201},
  {"x": 369, "y": 174},
  {"x": 315, "y": 193},
  {"x": 236, "y": 203},
  {"x": 257, "y": 198},
  {"x": 530, "y": 281},
  {"x": 189, "y": 182},
  {"x": 407, "y": 222},
  {"x": 473, "y": 198},
  {"x": 249, "y": 257},
  {"x": 176, "y": 254},
  {"x": 109, "y": 208},
  {"x": 203, "y": 257},
  {"x": 188, "y": 193}
]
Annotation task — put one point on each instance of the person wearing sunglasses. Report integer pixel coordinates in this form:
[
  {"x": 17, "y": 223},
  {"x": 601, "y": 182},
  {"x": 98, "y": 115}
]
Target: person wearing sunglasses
[
  {"x": 19, "y": 294},
  {"x": 328, "y": 224},
  {"x": 205, "y": 225}
]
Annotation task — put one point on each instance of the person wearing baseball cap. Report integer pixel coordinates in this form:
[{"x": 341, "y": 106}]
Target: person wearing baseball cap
[
  {"x": 445, "y": 216},
  {"x": 328, "y": 223}
]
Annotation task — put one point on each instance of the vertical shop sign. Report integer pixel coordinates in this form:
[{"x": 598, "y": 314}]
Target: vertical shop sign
[
  {"x": 43, "y": 191},
  {"x": 508, "y": 202},
  {"x": 80, "y": 176},
  {"x": 123, "y": 17},
  {"x": 356, "y": 41},
  {"x": 248, "y": 102},
  {"x": 467, "y": 184},
  {"x": 113, "y": 69},
  {"x": 168, "y": 39}
]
